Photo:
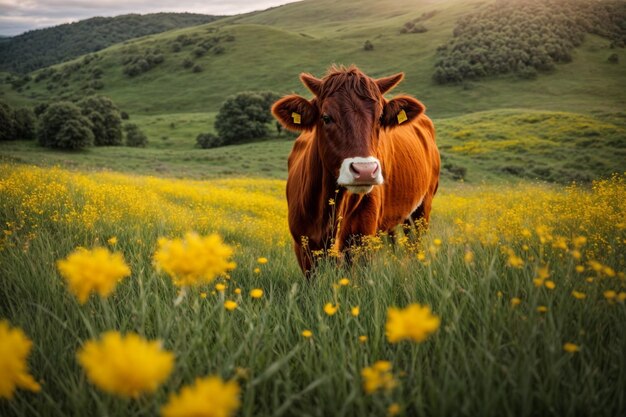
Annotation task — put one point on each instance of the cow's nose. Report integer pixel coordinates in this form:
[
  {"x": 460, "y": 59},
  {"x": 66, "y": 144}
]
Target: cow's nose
[{"x": 364, "y": 171}]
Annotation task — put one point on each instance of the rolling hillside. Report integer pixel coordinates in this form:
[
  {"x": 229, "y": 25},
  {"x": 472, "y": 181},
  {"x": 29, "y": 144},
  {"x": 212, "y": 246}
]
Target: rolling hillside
[
  {"x": 269, "y": 49},
  {"x": 43, "y": 47}
]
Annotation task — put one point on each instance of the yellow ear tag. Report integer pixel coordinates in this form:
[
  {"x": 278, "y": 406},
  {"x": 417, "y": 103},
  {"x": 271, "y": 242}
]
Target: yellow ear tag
[
  {"x": 402, "y": 117},
  {"x": 296, "y": 118}
]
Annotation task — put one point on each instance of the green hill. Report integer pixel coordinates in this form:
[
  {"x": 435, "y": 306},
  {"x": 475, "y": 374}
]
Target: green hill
[
  {"x": 267, "y": 50},
  {"x": 43, "y": 47}
]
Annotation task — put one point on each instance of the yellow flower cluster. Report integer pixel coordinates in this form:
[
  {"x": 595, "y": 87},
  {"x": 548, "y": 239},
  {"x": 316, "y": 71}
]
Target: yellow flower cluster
[
  {"x": 413, "y": 323},
  {"x": 96, "y": 270},
  {"x": 194, "y": 260},
  {"x": 99, "y": 202},
  {"x": 14, "y": 350},
  {"x": 207, "y": 397},
  {"x": 378, "y": 377},
  {"x": 125, "y": 365}
]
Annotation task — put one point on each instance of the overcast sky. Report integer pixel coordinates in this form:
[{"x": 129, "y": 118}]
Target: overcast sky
[{"x": 17, "y": 16}]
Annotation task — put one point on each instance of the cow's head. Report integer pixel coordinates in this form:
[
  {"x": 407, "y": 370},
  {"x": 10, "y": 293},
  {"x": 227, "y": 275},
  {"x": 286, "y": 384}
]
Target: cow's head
[{"x": 347, "y": 114}]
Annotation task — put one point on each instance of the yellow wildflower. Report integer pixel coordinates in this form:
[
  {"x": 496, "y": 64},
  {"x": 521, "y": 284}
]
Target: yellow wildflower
[
  {"x": 194, "y": 260},
  {"x": 550, "y": 285},
  {"x": 378, "y": 377},
  {"x": 307, "y": 333},
  {"x": 543, "y": 272},
  {"x": 125, "y": 365},
  {"x": 609, "y": 294},
  {"x": 257, "y": 270},
  {"x": 437, "y": 242},
  {"x": 421, "y": 256},
  {"x": 237, "y": 291},
  {"x": 14, "y": 350},
  {"x": 571, "y": 347},
  {"x": 621, "y": 296},
  {"x": 499, "y": 294},
  {"x": 331, "y": 201},
  {"x": 329, "y": 309},
  {"x": 230, "y": 305},
  {"x": 344, "y": 281},
  {"x": 580, "y": 268},
  {"x": 515, "y": 301},
  {"x": 608, "y": 271},
  {"x": 542, "y": 309},
  {"x": 578, "y": 295},
  {"x": 595, "y": 265},
  {"x": 414, "y": 323},
  {"x": 202, "y": 295},
  {"x": 469, "y": 257},
  {"x": 262, "y": 261},
  {"x": 393, "y": 410},
  {"x": 220, "y": 287},
  {"x": 256, "y": 293},
  {"x": 355, "y": 311},
  {"x": 362, "y": 338},
  {"x": 515, "y": 261},
  {"x": 112, "y": 241},
  {"x": 92, "y": 270},
  {"x": 579, "y": 241},
  {"x": 207, "y": 397}
]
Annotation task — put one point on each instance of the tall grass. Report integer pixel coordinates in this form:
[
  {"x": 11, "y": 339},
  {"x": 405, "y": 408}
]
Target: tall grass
[{"x": 489, "y": 357}]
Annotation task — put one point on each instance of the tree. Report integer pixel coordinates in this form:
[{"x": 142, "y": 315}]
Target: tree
[
  {"x": 106, "y": 122},
  {"x": 134, "y": 136},
  {"x": 245, "y": 116},
  {"x": 63, "y": 126},
  {"x": 208, "y": 140},
  {"x": 6, "y": 122},
  {"x": 24, "y": 124}
]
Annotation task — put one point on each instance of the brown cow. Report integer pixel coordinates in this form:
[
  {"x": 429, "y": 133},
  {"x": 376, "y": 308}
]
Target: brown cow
[{"x": 376, "y": 158}]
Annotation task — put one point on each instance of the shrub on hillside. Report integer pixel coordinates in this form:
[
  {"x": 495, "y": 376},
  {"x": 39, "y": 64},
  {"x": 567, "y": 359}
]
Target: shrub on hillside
[
  {"x": 613, "y": 59},
  {"x": 138, "y": 64},
  {"x": 208, "y": 140},
  {"x": 134, "y": 136},
  {"x": 6, "y": 122},
  {"x": 187, "y": 63},
  {"x": 24, "y": 124},
  {"x": 124, "y": 115},
  {"x": 40, "y": 109},
  {"x": 245, "y": 116},
  {"x": 524, "y": 37},
  {"x": 197, "y": 68},
  {"x": 63, "y": 126},
  {"x": 368, "y": 46},
  {"x": 106, "y": 123}
]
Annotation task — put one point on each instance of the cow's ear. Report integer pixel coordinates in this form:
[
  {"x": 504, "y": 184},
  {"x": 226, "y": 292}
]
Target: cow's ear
[
  {"x": 313, "y": 84},
  {"x": 295, "y": 113},
  {"x": 387, "y": 83},
  {"x": 399, "y": 110}
]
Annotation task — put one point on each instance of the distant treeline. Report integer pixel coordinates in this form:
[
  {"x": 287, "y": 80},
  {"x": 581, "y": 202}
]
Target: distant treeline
[
  {"x": 43, "y": 47},
  {"x": 525, "y": 36}
]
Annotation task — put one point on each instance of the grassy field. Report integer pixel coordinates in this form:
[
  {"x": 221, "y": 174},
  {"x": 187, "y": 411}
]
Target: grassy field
[{"x": 498, "y": 266}]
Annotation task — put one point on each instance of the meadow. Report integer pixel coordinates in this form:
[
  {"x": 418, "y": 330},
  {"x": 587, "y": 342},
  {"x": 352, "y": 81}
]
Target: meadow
[{"x": 527, "y": 281}]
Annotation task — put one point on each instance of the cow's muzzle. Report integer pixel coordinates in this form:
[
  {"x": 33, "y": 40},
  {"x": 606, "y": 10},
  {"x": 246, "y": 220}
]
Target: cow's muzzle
[{"x": 360, "y": 174}]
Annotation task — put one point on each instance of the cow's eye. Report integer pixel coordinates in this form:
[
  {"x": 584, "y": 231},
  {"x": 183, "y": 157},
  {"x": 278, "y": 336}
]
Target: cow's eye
[{"x": 327, "y": 119}]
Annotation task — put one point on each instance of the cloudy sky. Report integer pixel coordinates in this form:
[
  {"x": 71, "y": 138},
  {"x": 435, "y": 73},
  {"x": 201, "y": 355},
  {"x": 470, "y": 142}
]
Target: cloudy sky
[{"x": 17, "y": 16}]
